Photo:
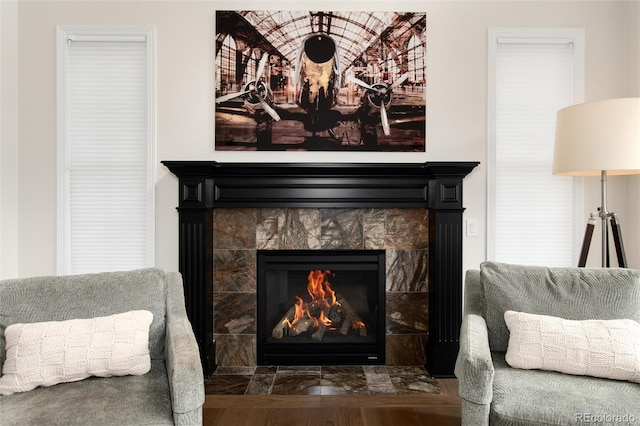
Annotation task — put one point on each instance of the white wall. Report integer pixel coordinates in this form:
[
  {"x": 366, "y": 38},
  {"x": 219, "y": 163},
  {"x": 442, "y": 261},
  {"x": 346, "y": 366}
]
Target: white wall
[
  {"x": 631, "y": 226},
  {"x": 9, "y": 139},
  {"x": 456, "y": 101}
]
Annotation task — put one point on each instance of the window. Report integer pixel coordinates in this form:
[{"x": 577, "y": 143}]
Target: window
[
  {"x": 252, "y": 61},
  {"x": 226, "y": 67},
  {"x": 416, "y": 55},
  {"x": 531, "y": 213},
  {"x": 106, "y": 159}
]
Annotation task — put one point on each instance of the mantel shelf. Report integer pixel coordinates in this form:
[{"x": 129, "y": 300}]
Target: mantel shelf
[{"x": 208, "y": 184}]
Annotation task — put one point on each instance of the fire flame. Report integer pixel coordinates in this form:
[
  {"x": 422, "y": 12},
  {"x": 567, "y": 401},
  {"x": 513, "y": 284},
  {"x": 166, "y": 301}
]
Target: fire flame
[
  {"x": 320, "y": 289},
  {"x": 323, "y": 312},
  {"x": 322, "y": 296},
  {"x": 300, "y": 312}
]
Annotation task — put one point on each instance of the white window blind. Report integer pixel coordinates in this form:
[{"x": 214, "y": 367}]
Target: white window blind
[
  {"x": 531, "y": 212},
  {"x": 106, "y": 160}
]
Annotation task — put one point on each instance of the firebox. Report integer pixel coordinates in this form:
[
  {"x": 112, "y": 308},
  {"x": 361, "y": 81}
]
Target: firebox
[{"x": 321, "y": 307}]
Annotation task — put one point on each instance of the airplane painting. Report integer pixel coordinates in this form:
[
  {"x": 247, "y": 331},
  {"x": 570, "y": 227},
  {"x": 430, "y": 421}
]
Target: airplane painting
[{"x": 320, "y": 81}]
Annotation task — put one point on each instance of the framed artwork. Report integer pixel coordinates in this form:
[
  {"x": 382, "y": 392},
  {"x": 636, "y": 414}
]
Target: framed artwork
[{"x": 320, "y": 81}]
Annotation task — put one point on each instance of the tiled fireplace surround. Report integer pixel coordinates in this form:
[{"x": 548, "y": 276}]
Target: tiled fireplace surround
[
  {"x": 239, "y": 233},
  {"x": 228, "y": 211}
]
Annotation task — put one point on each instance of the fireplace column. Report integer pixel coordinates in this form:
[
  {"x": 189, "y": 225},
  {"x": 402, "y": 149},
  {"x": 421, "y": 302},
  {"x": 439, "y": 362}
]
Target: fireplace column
[
  {"x": 445, "y": 273},
  {"x": 437, "y": 186},
  {"x": 196, "y": 257}
]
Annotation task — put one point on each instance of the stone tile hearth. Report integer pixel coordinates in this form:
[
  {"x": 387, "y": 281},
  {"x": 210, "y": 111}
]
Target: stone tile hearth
[
  {"x": 325, "y": 380},
  {"x": 240, "y": 232}
]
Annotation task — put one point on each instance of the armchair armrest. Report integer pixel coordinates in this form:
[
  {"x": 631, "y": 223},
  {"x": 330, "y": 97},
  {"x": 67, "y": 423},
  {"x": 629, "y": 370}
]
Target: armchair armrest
[
  {"x": 474, "y": 366},
  {"x": 182, "y": 356}
]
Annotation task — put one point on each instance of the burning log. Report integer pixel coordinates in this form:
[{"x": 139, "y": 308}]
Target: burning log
[
  {"x": 319, "y": 334},
  {"x": 282, "y": 328},
  {"x": 352, "y": 317},
  {"x": 346, "y": 325},
  {"x": 335, "y": 314},
  {"x": 300, "y": 327},
  {"x": 292, "y": 324}
]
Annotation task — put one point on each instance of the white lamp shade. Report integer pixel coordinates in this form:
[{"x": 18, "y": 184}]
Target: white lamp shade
[{"x": 597, "y": 136}]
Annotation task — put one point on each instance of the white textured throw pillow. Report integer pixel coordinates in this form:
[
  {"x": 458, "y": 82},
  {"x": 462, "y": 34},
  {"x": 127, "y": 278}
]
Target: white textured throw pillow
[
  {"x": 599, "y": 348},
  {"x": 47, "y": 353}
]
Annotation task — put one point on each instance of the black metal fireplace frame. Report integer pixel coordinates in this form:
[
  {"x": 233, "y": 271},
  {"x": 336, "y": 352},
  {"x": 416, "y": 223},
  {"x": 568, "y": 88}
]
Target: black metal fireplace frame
[
  {"x": 321, "y": 353},
  {"x": 435, "y": 186}
]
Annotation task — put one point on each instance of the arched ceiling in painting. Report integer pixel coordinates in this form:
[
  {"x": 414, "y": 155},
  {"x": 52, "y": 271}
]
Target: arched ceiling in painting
[{"x": 361, "y": 36}]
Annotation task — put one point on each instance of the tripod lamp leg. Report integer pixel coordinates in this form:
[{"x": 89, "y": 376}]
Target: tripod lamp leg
[
  {"x": 617, "y": 240},
  {"x": 586, "y": 242}
]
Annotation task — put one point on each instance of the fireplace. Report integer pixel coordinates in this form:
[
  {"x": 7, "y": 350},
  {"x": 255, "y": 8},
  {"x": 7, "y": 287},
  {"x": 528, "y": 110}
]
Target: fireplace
[
  {"x": 320, "y": 307},
  {"x": 206, "y": 187}
]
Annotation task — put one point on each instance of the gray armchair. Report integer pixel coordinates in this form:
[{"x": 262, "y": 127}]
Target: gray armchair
[
  {"x": 494, "y": 393},
  {"x": 172, "y": 392}
]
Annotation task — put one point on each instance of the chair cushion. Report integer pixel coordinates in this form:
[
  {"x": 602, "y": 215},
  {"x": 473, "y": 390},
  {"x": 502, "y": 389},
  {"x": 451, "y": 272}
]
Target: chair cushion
[
  {"x": 48, "y": 353},
  {"x": 535, "y": 397},
  {"x": 125, "y": 400},
  {"x": 41, "y": 299},
  {"x": 599, "y": 348},
  {"x": 571, "y": 293}
]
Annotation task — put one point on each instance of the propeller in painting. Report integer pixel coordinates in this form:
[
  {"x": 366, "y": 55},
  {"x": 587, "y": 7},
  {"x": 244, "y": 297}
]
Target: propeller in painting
[
  {"x": 255, "y": 92},
  {"x": 380, "y": 96}
]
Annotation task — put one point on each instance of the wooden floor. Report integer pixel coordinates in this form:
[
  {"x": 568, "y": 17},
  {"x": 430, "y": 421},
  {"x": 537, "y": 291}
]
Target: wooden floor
[{"x": 346, "y": 410}]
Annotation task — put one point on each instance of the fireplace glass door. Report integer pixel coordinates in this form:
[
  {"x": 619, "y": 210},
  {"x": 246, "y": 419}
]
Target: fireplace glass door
[{"x": 319, "y": 307}]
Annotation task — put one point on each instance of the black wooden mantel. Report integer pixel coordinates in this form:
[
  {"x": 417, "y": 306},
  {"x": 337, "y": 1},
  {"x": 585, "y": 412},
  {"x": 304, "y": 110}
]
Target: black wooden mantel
[{"x": 436, "y": 186}]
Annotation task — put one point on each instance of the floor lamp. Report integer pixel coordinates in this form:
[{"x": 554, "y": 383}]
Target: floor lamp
[{"x": 599, "y": 138}]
